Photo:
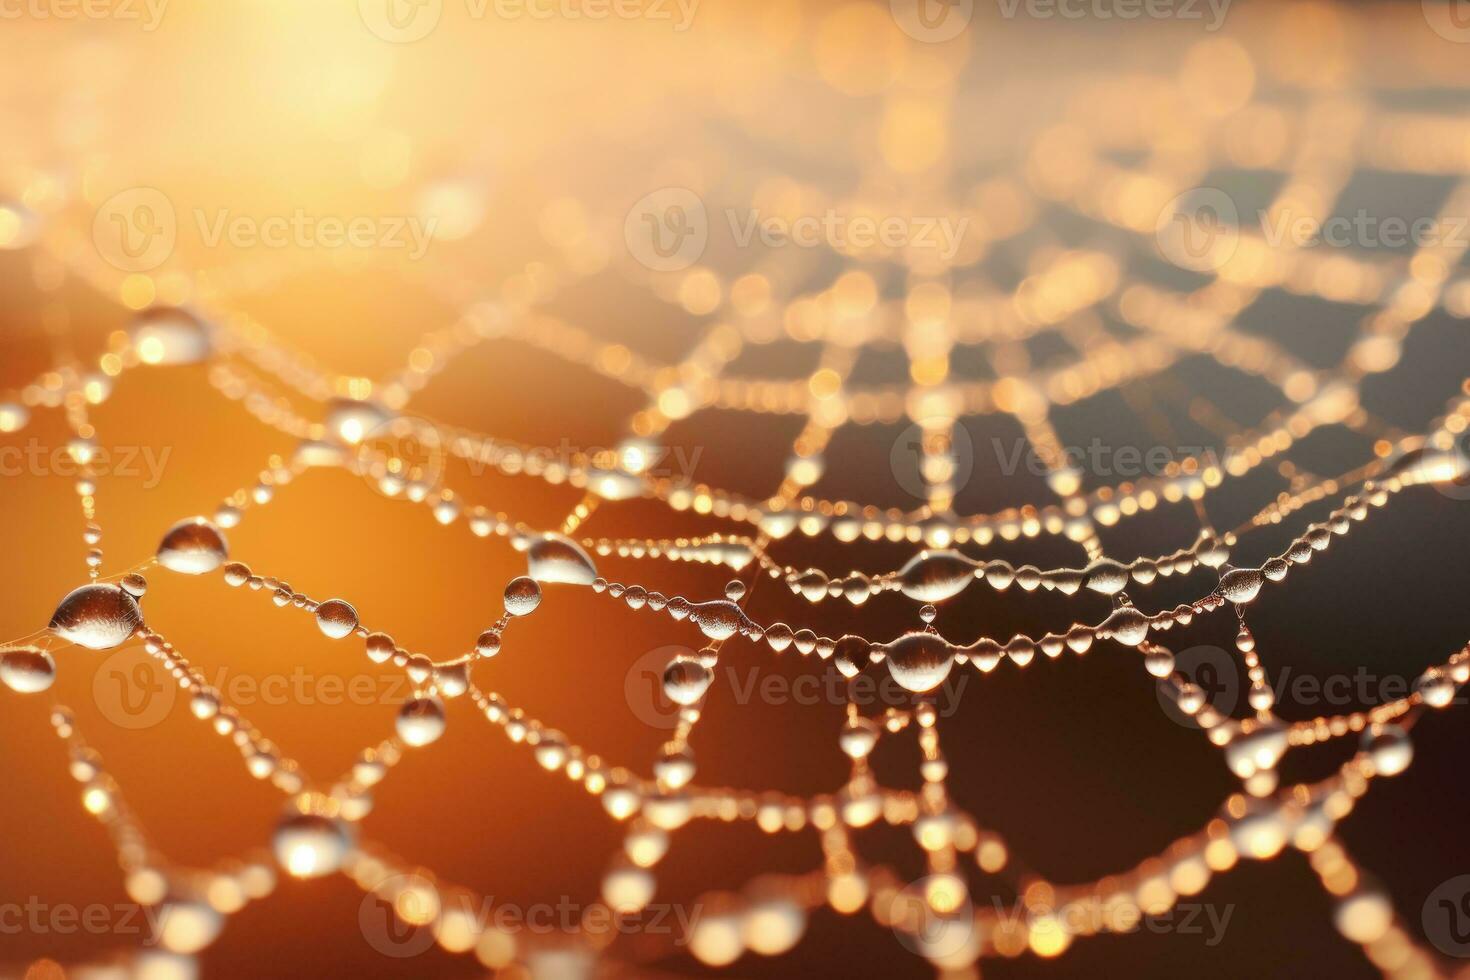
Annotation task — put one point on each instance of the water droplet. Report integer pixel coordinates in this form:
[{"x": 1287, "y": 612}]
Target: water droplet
[
  {"x": 352, "y": 421},
  {"x": 919, "y": 661},
  {"x": 27, "y": 670},
  {"x": 169, "y": 335},
  {"x": 554, "y": 558},
  {"x": 421, "y": 721},
  {"x": 735, "y": 590},
  {"x": 522, "y": 596},
  {"x": 1127, "y": 625},
  {"x": 1105, "y": 576},
  {"x": 933, "y": 576},
  {"x": 1389, "y": 749},
  {"x": 186, "y": 925},
  {"x": 851, "y": 655},
  {"x": 719, "y": 619},
  {"x": 1261, "y": 748},
  {"x": 858, "y": 737},
  {"x": 686, "y": 680},
  {"x": 98, "y": 617},
  {"x": 1241, "y": 585},
  {"x": 193, "y": 546},
  {"x": 675, "y": 765},
  {"x": 309, "y": 845},
  {"x": 336, "y": 618}
]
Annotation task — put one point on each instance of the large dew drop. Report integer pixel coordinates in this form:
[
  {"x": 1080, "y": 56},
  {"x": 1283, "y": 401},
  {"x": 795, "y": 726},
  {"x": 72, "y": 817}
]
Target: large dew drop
[
  {"x": 919, "y": 661},
  {"x": 336, "y": 618},
  {"x": 421, "y": 721},
  {"x": 308, "y": 845},
  {"x": 352, "y": 421},
  {"x": 686, "y": 680},
  {"x": 718, "y": 620},
  {"x": 169, "y": 335},
  {"x": 933, "y": 576},
  {"x": 98, "y": 617},
  {"x": 553, "y": 558},
  {"x": 193, "y": 547},
  {"x": 27, "y": 670}
]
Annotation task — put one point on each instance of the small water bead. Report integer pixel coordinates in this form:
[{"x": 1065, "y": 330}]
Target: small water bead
[
  {"x": 13, "y": 417},
  {"x": 27, "y": 670},
  {"x": 627, "y": 890},
  {"x": 554, "y": 558},
  {"x": 380, "y": 647},
  {"x": 453, "y": 679},
  {"x": 98, "y": 617},
  {"x": 933, "y": 576},
  {"x": 522, "y": 596},
  {"x": 858, "y": 737},
  {"x": 1127, "y": 625},
  {"x": 134, "y": 585},
  {"x": 928, "y": 613},
  {"x": 1106, "y": 576},
  {"x": 810, "y": 585},
  {"x": 1435, "y": 687},
  {"x": 351, "y": 420},
  {"x": 851, "y": 654},
  {"x": 193, "y": 547},
  {"x": 204, "y": 705},
  {"x": 419, "y": 668},
  {"x": 185, "y": 925},
  {"x": 686, "y": 680},
  {"x": 1261, "y": 748},
  {"x": 719, "y": 619},
  {"x": 1159, "y": 661},
  {"x": 675, "y": 765},
  {"x": 92, "y": 534},
  {"x": 310, "y": 845},
  {"x": 1364, "y": 916},
  {"x": 488, "y": 644},
  {"x": 635, "y": 597},
  {"x": 421, "y": 721},
  {"x": 1389, "y": 748},
  {"x": 1241, "y": 585},
  {"x": 336, "y": 618},
  {"x": 551, "y": 750},
  {"x": 735, "y": 590},
  {"x": 779, "y": 636},
  {"x": 918, "y": 661},
  {"x": 166, "y": 335}
]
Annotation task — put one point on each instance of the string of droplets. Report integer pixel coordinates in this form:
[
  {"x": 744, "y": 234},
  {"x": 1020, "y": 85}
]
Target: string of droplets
[{"x": 318, "y": 833}]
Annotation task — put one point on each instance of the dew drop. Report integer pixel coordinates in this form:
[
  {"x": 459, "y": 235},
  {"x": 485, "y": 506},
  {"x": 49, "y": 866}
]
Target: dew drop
[
  {"x": 336, "y": 618},
  {"x": 98, "y": 617},
  {"x": 309, "y": 845},
  {"x": 919, "y": 661},
  {"x": 933, "y": 576},
  {"x": 169, "y": 335},
  {"x": 421, "y": 721},
  {"x": 27, "y": 670},
  {"x": 686, "y": 680},
  {"x": 554, "y": 558},
  {"x": 522, "y": 596},
  {"x": 193, "y": 546}
]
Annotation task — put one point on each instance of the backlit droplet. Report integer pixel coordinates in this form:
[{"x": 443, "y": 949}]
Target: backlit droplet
[
  {"x": 352, "y": 421},
  {"x": 1241, "y": 585},
  {"x": 735, "y": 590},
  {"x": 336, "y": 618},
  {"x": 193, "y": 547},
  {"x": 98, "y": 617},
  {"x": 719, "y": 619},
  {"x": 1389, "y": 749},
  {"x": 1261, "y": 748},
  {"x": 185, "y": 925},
  {"x": 851, "y": 655},
  {"x": 134, "y": 585},
  {"x": 169, "y": 335},
  {"x": 1127, "y": 625},
  {"x": 554, "y": 558},
  {"x": 686, "y": 680},
  {"x": 858, "y": 737},
  {"x": 27, "y": 670},
  {"x": 919, "y": 661},
  {"x": 522, "y": 596},
  {"x": 933, "y": 576},
  {"x": 309, "y": 845},
  {"x": 421, "y": 721},
  {"x": 13, "y": 416}
]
